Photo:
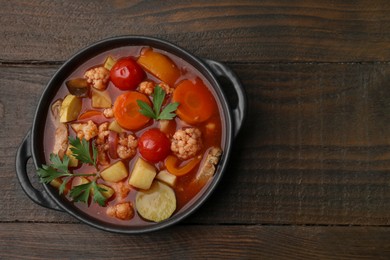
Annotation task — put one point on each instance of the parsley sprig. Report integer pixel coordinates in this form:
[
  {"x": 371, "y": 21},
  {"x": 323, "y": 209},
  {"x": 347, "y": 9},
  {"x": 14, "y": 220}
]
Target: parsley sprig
[
  {"x": 60, "y": 169},
  {"x": 158, "y": 98}
]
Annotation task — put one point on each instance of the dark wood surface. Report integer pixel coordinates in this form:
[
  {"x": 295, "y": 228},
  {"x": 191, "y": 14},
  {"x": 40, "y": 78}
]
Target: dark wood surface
[{"x": 310, "y": 172}]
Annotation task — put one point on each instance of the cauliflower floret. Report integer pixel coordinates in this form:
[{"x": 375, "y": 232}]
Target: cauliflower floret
[
  {"x": 186, "y": 143},
  {"x": 127, "y": 146},
  {"x": 122, "y": 189},
  {"x": 103, "y": 133},
  {"x": 102, "y": 143},
  {"x": 147, "y": 87},
  {"x": 98, "y": 77},
  {"x": 123, "y": 211},
  {"x": 108, "y": 113},
  {"x": 85, "y": 130}
]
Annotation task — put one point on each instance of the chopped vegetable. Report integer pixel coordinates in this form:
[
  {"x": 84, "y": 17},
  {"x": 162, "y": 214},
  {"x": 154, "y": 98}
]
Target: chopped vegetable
[
  {"x": 113, "y": 144},
  {"x": 196, "y": 101},
  {"x": 70, "y": 108},
  {"x": 159, "y": 65},
  {"x": 126, "y": 74},
  {"x": 101, "y": 99},
  {"x": 106, "y": 191},
  {"x": 167, "y": 178},
  {"x": 78, "y": 87},
  {"x": 126, "y": 110},
  {"x": 154, "y": 145},
  {"x": 116, "y": 172},
  {"x": 79, "y": 180},
  {"x": 168, "y": 127},
  {"x": 171, "y": 163},
  {"x": 109, "y": 63},
  {"x": 142, "y": 175},
  {"x": 114, "y": 126},
  {"x": 89, "y": 114},
  {"x": 73, "y": 162},
  {"x": 156, "y": 113},
  {"x": 156, "y": 204},
  {"x": 56, "y": 183}
]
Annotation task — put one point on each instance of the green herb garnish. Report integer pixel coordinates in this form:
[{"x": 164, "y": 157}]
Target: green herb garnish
[
  {"x": 82, "y": 192},
  {"x": 158, "y": 98},
  {"x": 60, "y": 169},
  {"x": 81, "y": 150}
]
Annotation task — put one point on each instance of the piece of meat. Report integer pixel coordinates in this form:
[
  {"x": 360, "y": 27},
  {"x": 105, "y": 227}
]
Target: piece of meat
[
  {"x": 61, "y": 140},
  {"x": 207, "y": 170},
  {"x": 61, "y": 134}
]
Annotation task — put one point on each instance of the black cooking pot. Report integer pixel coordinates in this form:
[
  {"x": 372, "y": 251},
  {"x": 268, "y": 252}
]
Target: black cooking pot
[{"x": 32, "y": 145}]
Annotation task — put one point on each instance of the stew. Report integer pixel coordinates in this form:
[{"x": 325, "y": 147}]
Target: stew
[{"x": 132, "y": 136}]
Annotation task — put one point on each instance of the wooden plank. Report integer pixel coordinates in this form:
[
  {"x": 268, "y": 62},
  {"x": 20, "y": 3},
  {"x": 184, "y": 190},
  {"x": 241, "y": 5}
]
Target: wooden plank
[
  {"x": 314, "y": 150},
  {"x": 240, "y": 31},
  {"x": 69, "y": 241}
]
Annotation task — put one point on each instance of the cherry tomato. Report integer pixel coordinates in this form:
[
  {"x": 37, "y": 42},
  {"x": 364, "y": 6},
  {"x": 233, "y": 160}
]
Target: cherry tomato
[
  {"x": 126, "y": 74},
  {"x": 154, "y": 145}
]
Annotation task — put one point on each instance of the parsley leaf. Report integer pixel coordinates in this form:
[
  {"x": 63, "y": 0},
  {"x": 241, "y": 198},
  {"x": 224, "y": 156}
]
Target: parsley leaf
[
  {"x": 81, "y": 150},
  {"x": 58, "y": 169},
  {"x": 146, "y": 110},
  {"x": 83, "y": 191},
  {"x": 168, "y": 112},
  {"x": 158, "y": 98}
]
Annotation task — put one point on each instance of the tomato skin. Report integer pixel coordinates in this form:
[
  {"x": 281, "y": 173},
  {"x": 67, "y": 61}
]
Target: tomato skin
[
  {"x": 126, "y": 74},
  {"x": 154, "y": 145}
]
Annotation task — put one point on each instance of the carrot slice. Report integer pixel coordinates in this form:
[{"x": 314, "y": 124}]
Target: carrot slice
[
  {"x": 159, "y": 65},
  {"x": 171, "y": 162},
  {"x": 126, "y": 110},
  {"x": 197, "y": 104},
  {"x": 88, "y": 114}
]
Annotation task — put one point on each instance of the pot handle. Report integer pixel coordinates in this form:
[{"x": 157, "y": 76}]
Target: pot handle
[
  {"x": 22, "y": 156},
  {"x": 239, "y": 110}
]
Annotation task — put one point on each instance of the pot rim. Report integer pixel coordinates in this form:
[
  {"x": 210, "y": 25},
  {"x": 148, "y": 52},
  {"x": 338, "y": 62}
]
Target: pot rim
[{"x": 93, "y": 50}]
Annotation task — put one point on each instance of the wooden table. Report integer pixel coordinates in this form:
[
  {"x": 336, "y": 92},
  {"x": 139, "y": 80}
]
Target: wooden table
[{"x": 310, "y": 172}]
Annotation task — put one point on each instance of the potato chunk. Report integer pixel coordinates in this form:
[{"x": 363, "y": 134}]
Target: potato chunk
[
  {"x": 114, "y": 126},
  {"x": 167, "y": 178},
  {"x": 101, "y": 99},
  {"x": 115, "y": 172},
  {"x": 73, "y": 162},
  {"x": 142, "y": 175},
  {"x": 70, "y": 108},
  {"x": 108, "y": 190}
]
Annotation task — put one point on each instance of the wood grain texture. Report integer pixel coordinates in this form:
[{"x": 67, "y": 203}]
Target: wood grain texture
[
  {"x": 314, "y": 150},
  {"x": 308, "y": 177},
  {"x": 244, "y": 31},
  {"x": 194, "y": 242}
]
